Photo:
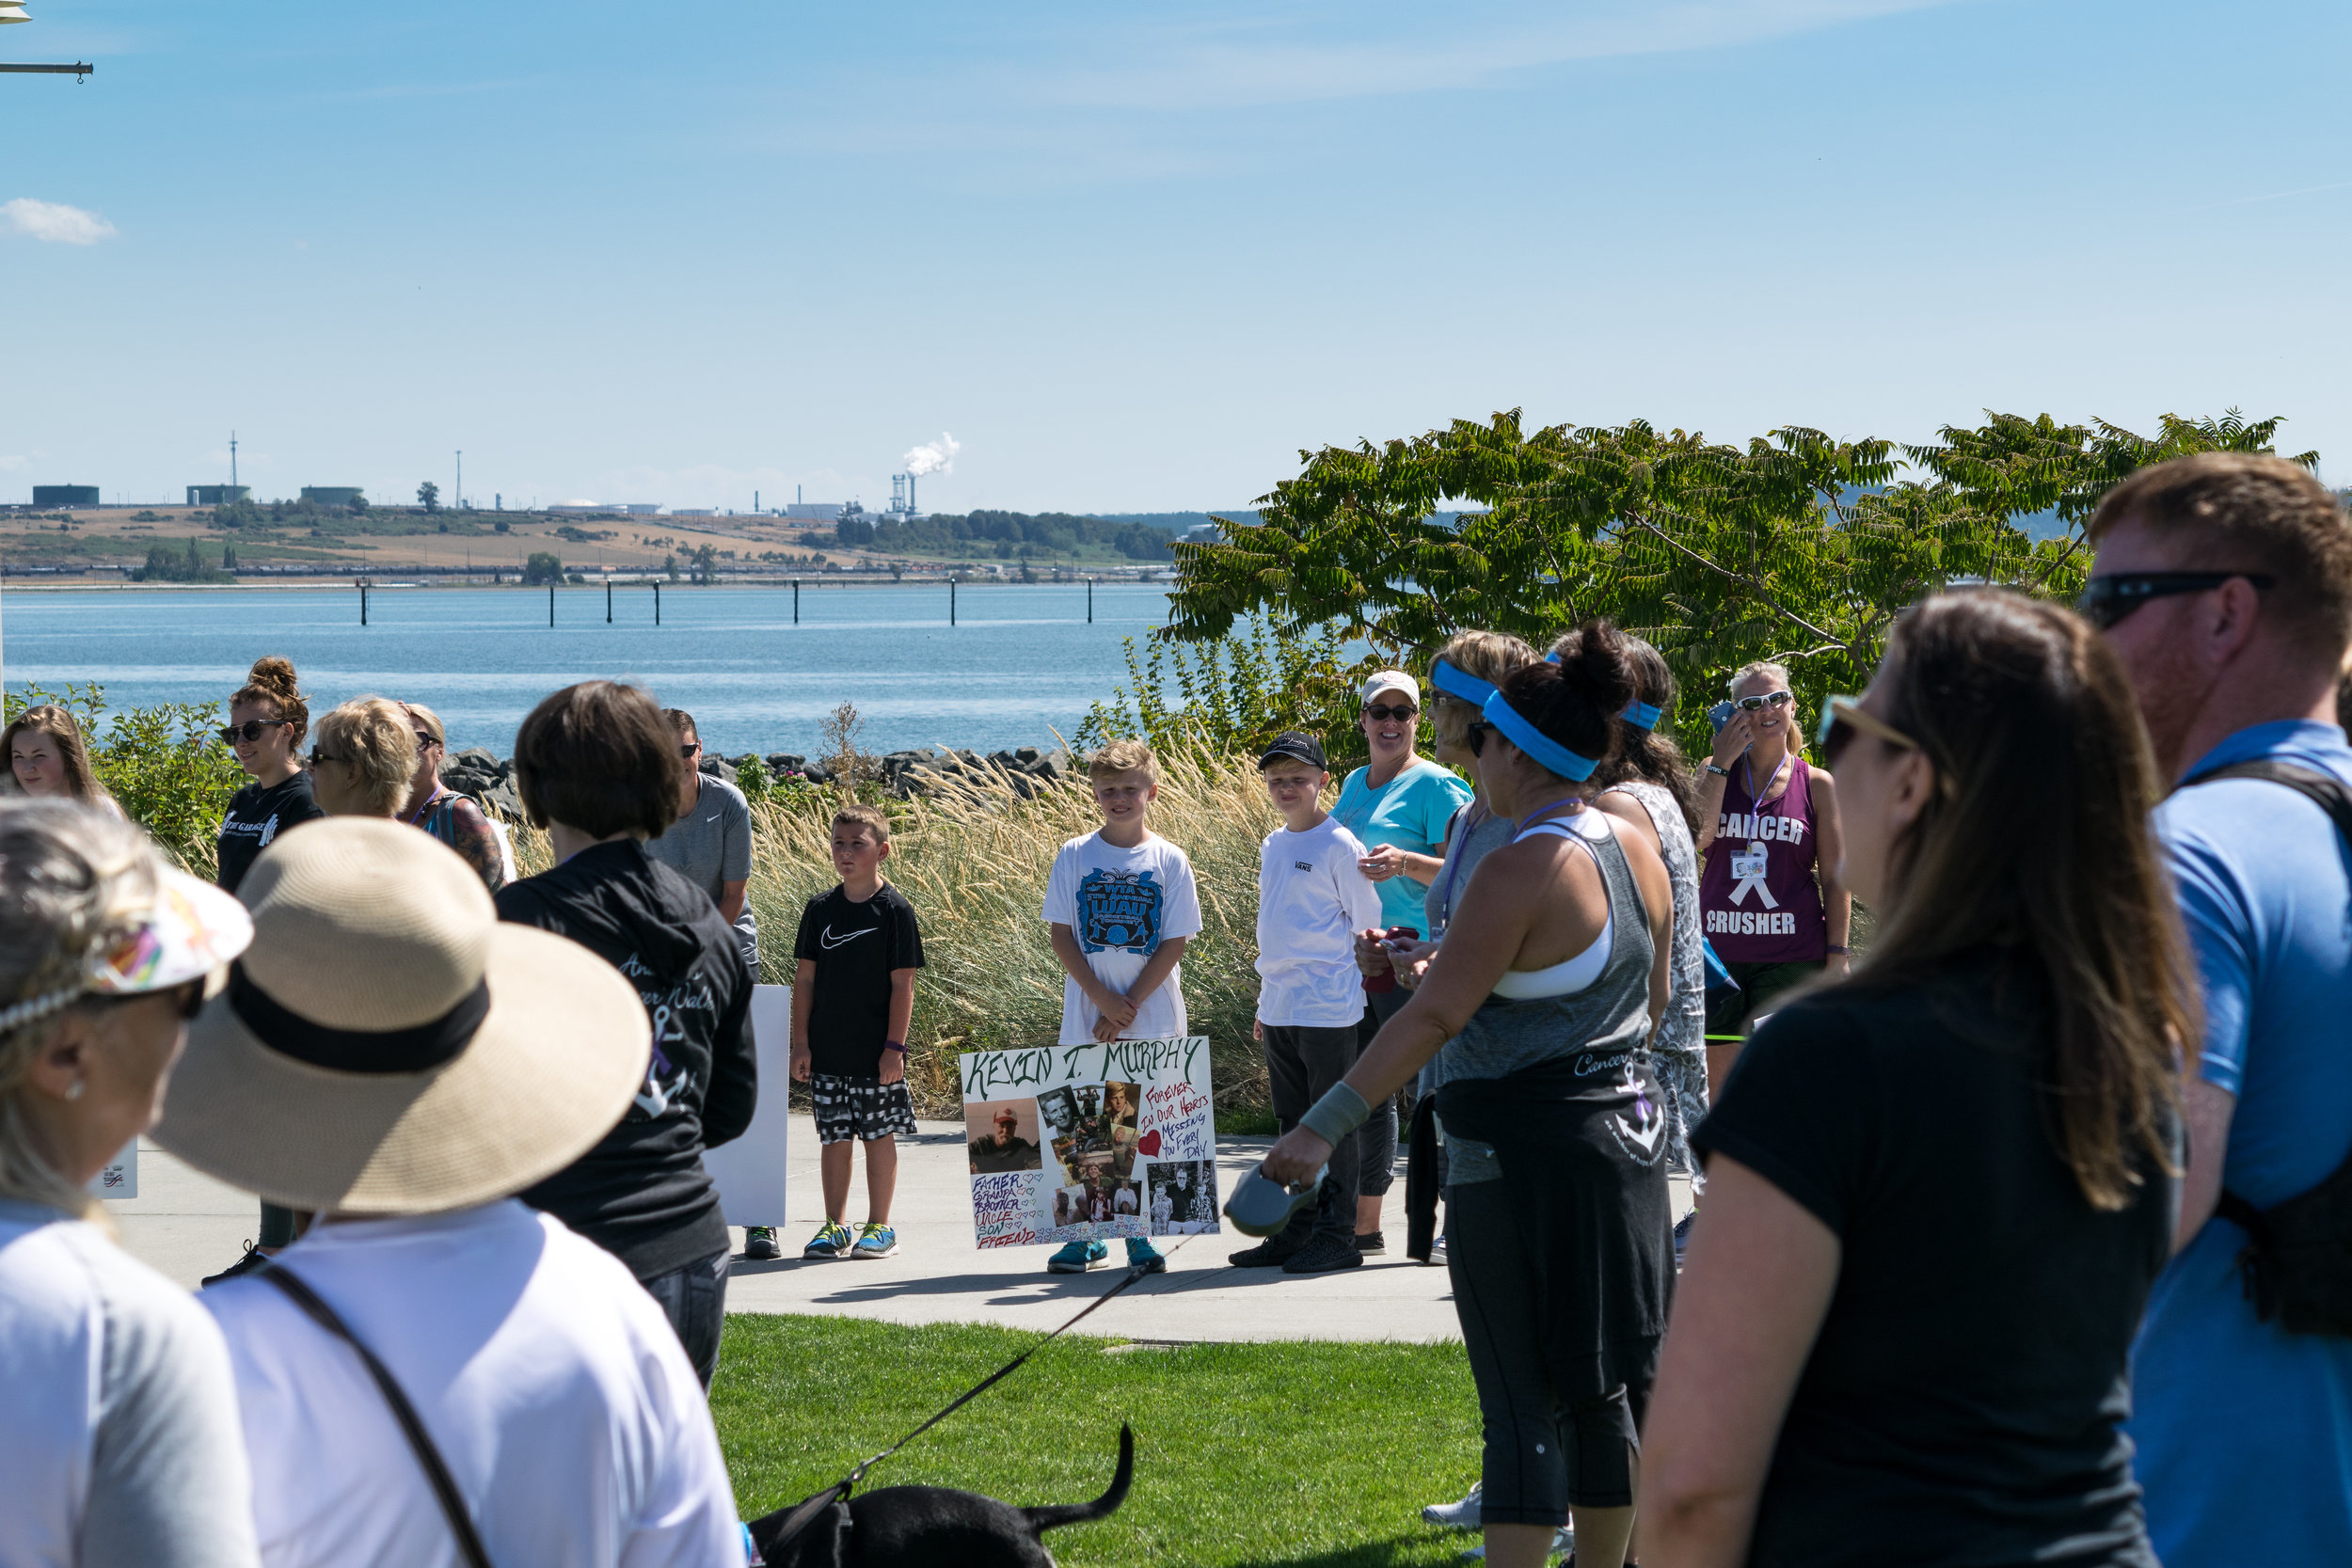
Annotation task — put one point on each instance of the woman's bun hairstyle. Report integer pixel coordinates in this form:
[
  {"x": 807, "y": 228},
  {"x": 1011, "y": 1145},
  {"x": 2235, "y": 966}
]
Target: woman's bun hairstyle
[
  {"x": 271, "y": 684},
  {"x": 1577, "y": 701}
]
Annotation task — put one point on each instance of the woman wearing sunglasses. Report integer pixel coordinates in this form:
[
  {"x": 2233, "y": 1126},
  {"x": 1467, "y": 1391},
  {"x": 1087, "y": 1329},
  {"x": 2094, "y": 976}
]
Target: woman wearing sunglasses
[
  {"x": 267, "y": 718},
  {"x": 1769, "y": 899},
  {"x": 119, "y": 1439},
  {"x": 443, "y": 813},
  {"x": 366, "y": 757},
  {"x": 1939, "y": 1193}
]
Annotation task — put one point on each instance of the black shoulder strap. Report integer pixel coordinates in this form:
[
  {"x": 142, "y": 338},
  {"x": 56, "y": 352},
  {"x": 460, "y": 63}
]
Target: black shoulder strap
[
  {"x": 2323, "y": 790},
  {"x": 444, "y": 1487}
]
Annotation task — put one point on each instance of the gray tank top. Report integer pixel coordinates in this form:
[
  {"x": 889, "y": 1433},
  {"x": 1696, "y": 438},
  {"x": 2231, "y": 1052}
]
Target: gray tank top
[{"x": 1598, "y": 1025}]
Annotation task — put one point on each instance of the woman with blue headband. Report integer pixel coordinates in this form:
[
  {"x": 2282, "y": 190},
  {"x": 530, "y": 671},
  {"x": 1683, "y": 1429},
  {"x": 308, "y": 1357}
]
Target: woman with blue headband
[{"x": 1539, "y": 1007}]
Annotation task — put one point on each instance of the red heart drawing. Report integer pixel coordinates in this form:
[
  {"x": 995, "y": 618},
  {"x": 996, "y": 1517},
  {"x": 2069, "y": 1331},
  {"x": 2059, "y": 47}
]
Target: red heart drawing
[{"x": 1148, "y": 1144}]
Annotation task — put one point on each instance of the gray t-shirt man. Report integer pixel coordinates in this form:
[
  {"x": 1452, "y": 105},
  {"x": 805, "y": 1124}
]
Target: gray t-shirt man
[{"x": 710, "y": 845}]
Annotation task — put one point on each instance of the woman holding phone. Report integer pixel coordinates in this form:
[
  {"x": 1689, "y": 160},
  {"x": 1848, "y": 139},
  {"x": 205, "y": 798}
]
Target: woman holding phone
[{"x": 1769, "y": 899}]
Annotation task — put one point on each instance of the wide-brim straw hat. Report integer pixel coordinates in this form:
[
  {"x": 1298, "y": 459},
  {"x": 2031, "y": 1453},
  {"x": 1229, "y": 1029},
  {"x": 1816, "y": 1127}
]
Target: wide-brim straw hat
[{"x": 387, "y": 1046}]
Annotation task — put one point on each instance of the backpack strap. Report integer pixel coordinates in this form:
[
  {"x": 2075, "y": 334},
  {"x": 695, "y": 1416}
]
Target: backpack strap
[
  {"x": 2323, "y": 790},
  {"x": 452, "y": 1501}
]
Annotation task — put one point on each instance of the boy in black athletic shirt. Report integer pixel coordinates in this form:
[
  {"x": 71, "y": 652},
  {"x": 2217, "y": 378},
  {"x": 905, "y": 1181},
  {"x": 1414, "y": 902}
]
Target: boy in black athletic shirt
[{"x": 852, "y": 999}]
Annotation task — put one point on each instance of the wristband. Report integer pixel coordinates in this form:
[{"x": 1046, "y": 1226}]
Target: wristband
[
  {"x": 1719, "y": 772},
  {"x": 894, "y": 1045},
  {"x": 1840, "y": 951},
  {"x": 1340, "y": 1111}
]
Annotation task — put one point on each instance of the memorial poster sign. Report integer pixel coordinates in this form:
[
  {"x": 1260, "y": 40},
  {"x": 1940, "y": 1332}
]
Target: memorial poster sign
[{"x": 1081, "y": 1143}]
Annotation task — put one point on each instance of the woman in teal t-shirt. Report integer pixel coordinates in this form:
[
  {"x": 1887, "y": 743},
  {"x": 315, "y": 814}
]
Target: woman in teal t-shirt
[{"x": 1398, "y": 804}]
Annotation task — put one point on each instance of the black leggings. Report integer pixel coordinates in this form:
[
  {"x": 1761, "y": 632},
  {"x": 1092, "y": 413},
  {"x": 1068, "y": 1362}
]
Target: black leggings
[{"x": 1542, "y": 1458}]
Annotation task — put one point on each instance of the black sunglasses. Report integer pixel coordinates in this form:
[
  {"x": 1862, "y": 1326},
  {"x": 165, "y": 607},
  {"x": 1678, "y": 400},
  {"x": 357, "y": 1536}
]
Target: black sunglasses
[
  {"x": 2109, "y": 599},
  {"x": 423, "y": 739},
  {"x": 687, "y": 747},
  {"x": 187, "y": 998},
  {"x": 317, "y": 758},
  {"x": 250, "y": 730},
  {"x": 1380, "y": 713},
  {"x": 1474, "y": 736}
]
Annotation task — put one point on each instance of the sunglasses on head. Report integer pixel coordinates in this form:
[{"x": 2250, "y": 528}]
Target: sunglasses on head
[
  {"x": 1842, "y": 719},
  {"x": 1769, "y": 699},
  {"x": 2109, "y": 599},
  {"x": 1380, "y": 713},
  {"x": 251, "y": 730}
]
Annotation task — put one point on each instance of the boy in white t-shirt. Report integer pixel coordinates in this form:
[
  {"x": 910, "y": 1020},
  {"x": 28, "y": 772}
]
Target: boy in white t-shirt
[
  {"x": 1122, "y": 903},
  {"x": 1313, "y": 899}
]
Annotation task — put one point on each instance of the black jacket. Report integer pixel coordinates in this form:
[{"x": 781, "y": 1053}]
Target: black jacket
[{"x": 642, "y": 1194}]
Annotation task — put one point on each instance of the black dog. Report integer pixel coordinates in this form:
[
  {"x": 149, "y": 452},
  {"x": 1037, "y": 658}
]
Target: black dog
[{"x": 915, "y": 1526}]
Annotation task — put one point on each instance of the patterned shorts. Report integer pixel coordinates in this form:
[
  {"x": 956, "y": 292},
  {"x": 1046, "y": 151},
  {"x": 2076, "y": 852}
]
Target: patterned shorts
[{"x": 863, "y": 1108}]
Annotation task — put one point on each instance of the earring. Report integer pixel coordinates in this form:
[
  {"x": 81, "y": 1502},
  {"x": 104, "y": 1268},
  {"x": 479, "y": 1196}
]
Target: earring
[{"x": 74, "y": 1090}]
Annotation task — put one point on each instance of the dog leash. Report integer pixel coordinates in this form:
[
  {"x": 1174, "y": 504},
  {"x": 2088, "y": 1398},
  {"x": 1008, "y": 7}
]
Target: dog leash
[{"x": 799, "y": 1518}]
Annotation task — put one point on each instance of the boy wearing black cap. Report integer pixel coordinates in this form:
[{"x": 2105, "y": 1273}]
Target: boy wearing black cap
[{"x": 1312, "y": 899}]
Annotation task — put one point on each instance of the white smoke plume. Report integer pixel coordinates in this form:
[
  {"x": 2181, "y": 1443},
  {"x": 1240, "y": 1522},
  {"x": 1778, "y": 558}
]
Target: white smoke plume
[{"x": 934, "y": 457}]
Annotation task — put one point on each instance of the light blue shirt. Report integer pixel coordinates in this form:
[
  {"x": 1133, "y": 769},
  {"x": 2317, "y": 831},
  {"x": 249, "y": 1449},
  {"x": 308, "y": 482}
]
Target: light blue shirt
[
  {"x": 2244, "y": 1430},
  {"x": 1410, "y": 810}
]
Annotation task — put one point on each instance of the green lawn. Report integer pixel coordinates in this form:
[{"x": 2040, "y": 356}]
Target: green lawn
[{"x": 1299, "y": 1454}]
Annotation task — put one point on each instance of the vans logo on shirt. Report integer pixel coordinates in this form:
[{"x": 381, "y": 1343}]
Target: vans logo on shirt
[{"x": 1301, "y": 866}]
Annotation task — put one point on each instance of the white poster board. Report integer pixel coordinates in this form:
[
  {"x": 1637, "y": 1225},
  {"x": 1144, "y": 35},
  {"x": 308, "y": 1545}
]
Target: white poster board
[
  {"x": 120, "y": 1179},
  {"x": 750, "y": 1171},
  {"x": 1081, "y": 1143}
]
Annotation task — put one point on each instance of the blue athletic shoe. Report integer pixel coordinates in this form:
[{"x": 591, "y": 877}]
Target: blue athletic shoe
[
  {"x": 1142, "y": 1255},
  {"x": 1079, "y": 1257},
  {"x": 834, "y": 1240},
  {"x": 875, "y": 1241}
]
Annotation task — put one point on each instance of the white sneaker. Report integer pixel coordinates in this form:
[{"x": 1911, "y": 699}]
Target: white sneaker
[
  {"x": 1437, "y": 1255},
  {"x": 1461, "y": 1516}
]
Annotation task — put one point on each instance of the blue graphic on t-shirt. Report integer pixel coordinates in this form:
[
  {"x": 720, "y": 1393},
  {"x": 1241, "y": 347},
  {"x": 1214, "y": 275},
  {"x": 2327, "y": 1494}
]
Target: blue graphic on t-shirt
[{"x": 1118, "y": 908}]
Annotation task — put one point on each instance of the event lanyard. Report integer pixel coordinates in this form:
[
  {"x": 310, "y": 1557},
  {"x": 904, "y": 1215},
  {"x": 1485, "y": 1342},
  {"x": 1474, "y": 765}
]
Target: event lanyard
[
  {"x": 443, "y": 793},
  {"x": 1574, "y": 802},
  {"x": 1749, "y": 763},
  {"x": 1454, "y": 862}
]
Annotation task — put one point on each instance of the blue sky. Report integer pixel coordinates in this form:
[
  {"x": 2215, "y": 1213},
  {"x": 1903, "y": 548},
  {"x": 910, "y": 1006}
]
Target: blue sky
[{"x": 1135, "y": 257}]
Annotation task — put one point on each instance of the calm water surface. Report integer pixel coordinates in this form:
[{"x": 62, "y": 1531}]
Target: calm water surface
[{"x": 1019, "y": 663}]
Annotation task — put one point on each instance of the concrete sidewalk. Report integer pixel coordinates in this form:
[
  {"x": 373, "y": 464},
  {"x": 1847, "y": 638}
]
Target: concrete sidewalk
[{"x": 188, "y": 1226}]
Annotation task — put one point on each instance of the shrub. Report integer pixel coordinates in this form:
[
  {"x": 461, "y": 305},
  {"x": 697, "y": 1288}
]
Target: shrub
[
  {"x": 164, "y": 766},
  {"x": 1233, "y": 695}
]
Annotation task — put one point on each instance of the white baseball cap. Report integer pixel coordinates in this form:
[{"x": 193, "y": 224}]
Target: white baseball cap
[{"x": 1392, "y": 680}]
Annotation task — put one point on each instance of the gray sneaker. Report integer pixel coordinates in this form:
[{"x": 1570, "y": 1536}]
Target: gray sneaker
[
  {"x": 1461, "y": 1516},
  {"x": 1563, "y": 1544}
]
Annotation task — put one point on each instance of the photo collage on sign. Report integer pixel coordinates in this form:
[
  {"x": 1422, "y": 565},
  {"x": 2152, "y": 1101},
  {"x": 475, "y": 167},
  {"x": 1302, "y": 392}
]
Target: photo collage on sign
[{"x": 1086, "y": 1160}]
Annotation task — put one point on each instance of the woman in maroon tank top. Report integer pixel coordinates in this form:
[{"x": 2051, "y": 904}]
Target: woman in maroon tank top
[{"x": 1769, "y": 901}]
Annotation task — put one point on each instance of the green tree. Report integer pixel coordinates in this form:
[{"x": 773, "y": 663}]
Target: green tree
[
  {"x": 543, "y": 566},
  {"x": 429, "y": 496},
  {"x": 668, "y": 564},
  {"x": 1793, "y": 546},
  {"x": 1235, "y": 693}
]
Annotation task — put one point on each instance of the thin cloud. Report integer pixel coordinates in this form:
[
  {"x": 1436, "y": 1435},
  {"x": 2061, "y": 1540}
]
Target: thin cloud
[
  {"x": 1262, "y": 71},
  {"x": 53, "y": 222}
]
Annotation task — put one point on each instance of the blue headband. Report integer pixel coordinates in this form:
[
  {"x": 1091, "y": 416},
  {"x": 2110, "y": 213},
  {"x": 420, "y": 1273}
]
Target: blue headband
[
  {"x": 1536, "y": 744},
  {"x": 1641, "y": 715},
  {"x": 1461, "y": 683}
]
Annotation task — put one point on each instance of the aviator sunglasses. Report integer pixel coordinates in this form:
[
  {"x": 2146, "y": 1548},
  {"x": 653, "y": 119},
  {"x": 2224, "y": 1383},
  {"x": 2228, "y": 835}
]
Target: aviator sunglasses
[
  {"x": 250, "y": 730},
  {"x": 1842, "y": 719},
  {"x": 2109, "y": 599}
]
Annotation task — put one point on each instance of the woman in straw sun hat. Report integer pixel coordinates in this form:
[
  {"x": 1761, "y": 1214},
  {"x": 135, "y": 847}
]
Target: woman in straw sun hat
[
  {"x": 391, "y": 1057},
  {"x": 119, "y": 1436}
]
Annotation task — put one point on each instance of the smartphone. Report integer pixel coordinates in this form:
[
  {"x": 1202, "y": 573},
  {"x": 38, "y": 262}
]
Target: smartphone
[{"x": 1720, "y": 714}]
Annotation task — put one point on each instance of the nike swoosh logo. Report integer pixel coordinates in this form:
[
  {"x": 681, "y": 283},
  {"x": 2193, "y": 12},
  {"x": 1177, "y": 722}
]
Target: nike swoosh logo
[
  {"x": 713, "y": 816},
  {"x": 826, "y": 940}
]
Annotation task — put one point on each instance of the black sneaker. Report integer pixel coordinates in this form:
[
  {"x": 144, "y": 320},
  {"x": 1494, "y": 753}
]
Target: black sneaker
[
  {"x": 1682, "y": 1237},
  {"x": 1325, "y": 1255},
  {"x": 1271, "y": 1253},
  {"x": 759, "y": 1243},
  {"x": 254, "y": 1259},
  {"x": 1370, "y": 1241}
]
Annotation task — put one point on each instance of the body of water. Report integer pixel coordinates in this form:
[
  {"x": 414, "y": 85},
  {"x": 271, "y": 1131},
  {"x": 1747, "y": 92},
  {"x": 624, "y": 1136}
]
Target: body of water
[{"x": 1019, "y": 663}]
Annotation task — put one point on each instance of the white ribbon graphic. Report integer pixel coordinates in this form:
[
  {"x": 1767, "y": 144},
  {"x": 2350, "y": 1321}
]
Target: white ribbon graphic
[{"x": 1749, "y": 866}]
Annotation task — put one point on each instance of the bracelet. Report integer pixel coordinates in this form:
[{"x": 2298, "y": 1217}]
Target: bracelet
[
  {"x": 1340, "y": 1111},
  {"x": 1840, "y": 951},
  {"x": 899, "y": 1046},
  {"x": 1719, "y": 772}
]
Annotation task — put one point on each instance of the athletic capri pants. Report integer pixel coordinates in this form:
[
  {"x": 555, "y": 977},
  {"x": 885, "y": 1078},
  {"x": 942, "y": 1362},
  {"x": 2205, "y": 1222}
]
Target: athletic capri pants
[
  {"x": 1542, "y": 1457},
  {"x": 1376, "y": 1141}
]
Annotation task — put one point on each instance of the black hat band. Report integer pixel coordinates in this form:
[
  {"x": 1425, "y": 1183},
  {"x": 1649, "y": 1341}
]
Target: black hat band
[{"x": 414, "y": 1050}]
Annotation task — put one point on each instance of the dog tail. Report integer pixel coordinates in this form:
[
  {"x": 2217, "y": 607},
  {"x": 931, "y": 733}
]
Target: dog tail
[{"x": 1101, "y": 1507}]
